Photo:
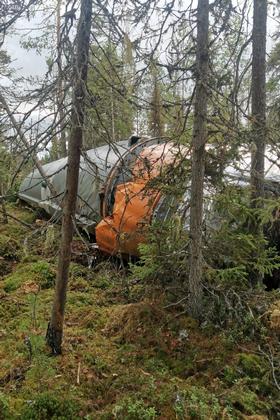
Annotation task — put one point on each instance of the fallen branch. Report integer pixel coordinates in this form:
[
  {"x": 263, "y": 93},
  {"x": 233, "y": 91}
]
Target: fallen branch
[
  {"x": 270, "y": 358},
  {"x": 27, "y": 225},
  {"x": 26, "y": 144}
]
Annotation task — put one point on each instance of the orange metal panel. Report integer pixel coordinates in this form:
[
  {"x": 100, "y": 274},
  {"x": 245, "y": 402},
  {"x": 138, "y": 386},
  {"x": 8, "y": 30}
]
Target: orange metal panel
[{"x": 124, "y": 230}]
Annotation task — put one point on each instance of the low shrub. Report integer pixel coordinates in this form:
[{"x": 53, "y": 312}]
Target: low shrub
[
  {"x": 197, "y": 403},
  {"x": 47, "y": 406},
  {"x": 129, "y": 409}
]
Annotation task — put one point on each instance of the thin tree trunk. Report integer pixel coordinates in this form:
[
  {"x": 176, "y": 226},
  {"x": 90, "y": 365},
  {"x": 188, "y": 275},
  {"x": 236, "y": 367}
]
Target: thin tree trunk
[
  {"x": 156, "y": 123},
  {"x": 258, "y": 100},
  {"x": 198, "y": 159},
  {"x": 258, "y": 114},
  {"x": 55, "y": 328},
  {"x": 4, "y": 211},
  {"x": 26, "y": 144},
  {"x": 60, "y": 93},
  {"x": 113, "y": 116}
]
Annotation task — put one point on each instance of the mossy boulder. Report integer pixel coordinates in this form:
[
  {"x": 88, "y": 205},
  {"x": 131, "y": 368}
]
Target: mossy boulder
[
  {"x": 40, "y": 273},
  {"x": 9, "y": 248}
]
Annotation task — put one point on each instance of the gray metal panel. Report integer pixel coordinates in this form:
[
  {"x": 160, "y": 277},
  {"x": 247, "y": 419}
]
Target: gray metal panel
[{"x": 94, "y": 168}]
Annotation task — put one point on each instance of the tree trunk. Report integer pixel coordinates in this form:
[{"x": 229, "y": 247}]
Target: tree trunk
[
  {"x": 156, "y": 123},
  {"x": 258, "y": 100},
  {"x": 55, "y": 328},
  {"x": 113, "y": 133},
  {"x": 20, "y": 133},
  {"x": 4, "y": 211},
  {"x": 198, "y": 159},
  {"x": 60, "y": 84},
  {"x": 258, "y": 114}
]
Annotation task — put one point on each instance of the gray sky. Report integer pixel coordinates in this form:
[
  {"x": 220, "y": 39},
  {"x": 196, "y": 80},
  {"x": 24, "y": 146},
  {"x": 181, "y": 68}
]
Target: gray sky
[
  {"x": 26, "y": 62},
  {"x": 29, "y": 63}
]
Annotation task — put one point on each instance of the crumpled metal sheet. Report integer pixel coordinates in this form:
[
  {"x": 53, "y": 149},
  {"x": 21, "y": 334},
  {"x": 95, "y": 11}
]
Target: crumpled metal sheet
[{"x": 94, "y": 168}]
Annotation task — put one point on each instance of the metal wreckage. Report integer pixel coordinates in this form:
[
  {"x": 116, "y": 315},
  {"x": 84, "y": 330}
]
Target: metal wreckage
[{"x": 114, "y": 201}]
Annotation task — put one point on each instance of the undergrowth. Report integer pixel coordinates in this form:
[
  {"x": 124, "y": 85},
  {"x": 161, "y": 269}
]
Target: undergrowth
[{"x": 130, "y": 350}]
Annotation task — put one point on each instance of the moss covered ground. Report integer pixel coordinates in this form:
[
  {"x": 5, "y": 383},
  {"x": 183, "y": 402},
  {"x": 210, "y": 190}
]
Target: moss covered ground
[{"x": 125, "y": 356}]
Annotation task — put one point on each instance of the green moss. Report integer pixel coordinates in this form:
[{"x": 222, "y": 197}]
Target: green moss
[
  {"x": 105, "y": 276},
  {"x": 197, "y": 403},
  {"x": 5, "y": 267},
  {"x": 252, "y": 365},
  {"x": 41, "y": 373},
  {"x": 4, "y": 407},
  {"x": 81, "y": 278},
  {"x": 247, "y": 401},
  {"x": 99, "y": 364},
  {"x": 9, "y": 248},
  {"x": 28, "y": 215},
  {"x": 153, "y": 364},
  {"x": 79, "y": 284},
  {"x": 30, "y": 258},
  {"x": 77, "y": 270},
  {"x": 40, "y": 272},
  {"x": 131, "y": 360},
  {"x": 14, "y": 231},
  {"x": 48, "y": 406},
  {"x": 102, "y": 281},
  {"x": 230, "y": 374},
  {"x": 133, "y": 409}
]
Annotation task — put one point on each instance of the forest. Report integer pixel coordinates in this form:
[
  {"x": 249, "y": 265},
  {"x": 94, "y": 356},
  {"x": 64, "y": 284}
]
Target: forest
[{"x": 139, "y": 209}]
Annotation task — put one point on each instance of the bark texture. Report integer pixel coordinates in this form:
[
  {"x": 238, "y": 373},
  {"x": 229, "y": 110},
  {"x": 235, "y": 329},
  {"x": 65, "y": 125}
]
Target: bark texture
[
  {"x": 258, "y": 100},
  {"x": 198, "y": 159},
  {"x": 258, "y": 118},
  {"x": 55, "y": 328},
  {"x": 60, "y": 83}
]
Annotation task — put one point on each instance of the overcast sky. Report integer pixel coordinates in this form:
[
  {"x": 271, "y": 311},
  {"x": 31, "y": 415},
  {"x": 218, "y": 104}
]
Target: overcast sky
[{"x": 29, "y": 63}]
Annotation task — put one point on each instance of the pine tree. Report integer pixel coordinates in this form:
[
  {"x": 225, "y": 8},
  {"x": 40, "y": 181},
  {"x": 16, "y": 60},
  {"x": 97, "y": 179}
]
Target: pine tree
[
  {"x": 156, "y": 125},
  {"x": 110, "y": 116},
  {"x": 258, "y": 115},
  {"x": 198, "y": 159},
  {"x": 55, "y": 327}
]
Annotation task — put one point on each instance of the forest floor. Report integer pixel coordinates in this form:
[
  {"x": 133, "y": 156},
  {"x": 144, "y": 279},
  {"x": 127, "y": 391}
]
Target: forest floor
[{"x": 124, "y": 355}]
